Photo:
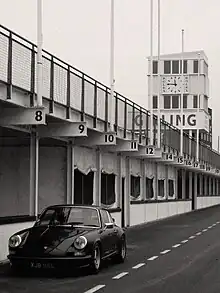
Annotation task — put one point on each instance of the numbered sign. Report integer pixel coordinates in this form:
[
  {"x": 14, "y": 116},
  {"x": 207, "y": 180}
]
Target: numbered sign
[
  {"x": 180, "y": 160},
  {"x": 196, "y": 165},
  {"x": 217, "y": 171},
  {"x": 134, "y": 145},
  {"x": 202, "y": 166},
  {"x": 169, "y": 157},
  {"x": 208, "y": 168},
  {"x": 82, "y": 129},
  {"x": 188, "y": 163},
  {"x": 23, "y": 116},
  {"x": 106, "y": 139},
  {"x": 69, "y": 129},
  {"x": 150, "y": 150}
]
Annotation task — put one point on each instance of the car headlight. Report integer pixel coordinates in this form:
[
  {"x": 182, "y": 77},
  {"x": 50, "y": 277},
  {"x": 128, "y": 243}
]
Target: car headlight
[
  {"x": 14, "y": 241},
  {"x": 80, "y": 242}
]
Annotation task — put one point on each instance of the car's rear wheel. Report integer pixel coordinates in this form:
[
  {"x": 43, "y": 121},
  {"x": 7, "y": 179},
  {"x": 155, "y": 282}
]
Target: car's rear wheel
[
  {"x": 96, "y": 259},
  {"x": 122, "y": 251}
]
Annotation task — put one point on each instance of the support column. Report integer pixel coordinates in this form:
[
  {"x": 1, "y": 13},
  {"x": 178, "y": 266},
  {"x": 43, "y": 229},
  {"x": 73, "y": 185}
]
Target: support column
[
  {"x": 190, "y": 185},
  {"x": 183, "y": 184},
  {"x": 214, "y": 185},
  {"x": 205, "y": 185},
  {"x": 156, "y": 182},
  {"x": 166, "y": 187},
  {"x": 34, "y": 172},
  {"x": 143, "y": 181},
  {"x": 119, "y": 182},
  {"x": 70, "y": 173},
  {"x": 201, "y": 184},
  {"x": 97, "y": 181},
  {"x": 210, "y": 186},
  {"x": 176, "y": 183},
  {"x": 127, "y": 192},
  {"x": 195, "y": 190},
  {"x": 217, "y": 186}
]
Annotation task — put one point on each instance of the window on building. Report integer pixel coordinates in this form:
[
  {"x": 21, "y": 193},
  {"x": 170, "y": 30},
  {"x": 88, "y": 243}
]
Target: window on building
[
  {"x": 155, "y": 102},
  {"x": 175, "y": 66},
  {"x": 170, "y": 187},
  {"x": 135, "y": 186},
  {"x": 195, "y": 66},
  {"x": 185, "y": 101},
  {"x": 166, "y": 102},
  {"x": 175, "y": 102},
  {"x": 149, "y": 188},
  {"x": 195, "y": 101},
  {"x": 167, "y": 67},
  {"x": 107, "y": 189},
  {"x": 161, "y": 188},
  {"x": 155, "y": 67},
  {"x": 83, "y": 188},
  {"x": 185, "y": 65}
]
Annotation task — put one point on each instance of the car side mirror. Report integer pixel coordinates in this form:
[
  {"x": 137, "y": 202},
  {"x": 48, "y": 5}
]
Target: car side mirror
[
  {"x": 109, "y": 225},
  {"x": 113, "y": 220}
]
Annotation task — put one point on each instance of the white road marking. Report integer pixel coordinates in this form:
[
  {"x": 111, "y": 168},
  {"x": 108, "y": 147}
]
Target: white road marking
[
  {"x": 214, "y": 224},
  {"x": 204, "y": 230},
  {"x": 176, "y": 245},
  {"x": 138, "y": 266},
  {"x": 165, "y": 251},
  {"x": 192, "y": 237},
  {"x": 95, "y": 289},
  {"x": 119, "y": 276},
  {"x": 153, "y": 257},
  {"x": 209, "y": 227},
  {"x": 199, "y": 233},
  {"x": 184, "y": 241}
]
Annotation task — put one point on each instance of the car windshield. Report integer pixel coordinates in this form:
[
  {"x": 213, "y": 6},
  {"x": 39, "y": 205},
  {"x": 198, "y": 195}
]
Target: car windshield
[{"x": 69, "y": 216}]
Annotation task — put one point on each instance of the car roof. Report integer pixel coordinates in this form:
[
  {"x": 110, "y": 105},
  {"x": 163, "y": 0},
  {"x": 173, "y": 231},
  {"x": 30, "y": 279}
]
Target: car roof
[{"x": 76, "y": 206}]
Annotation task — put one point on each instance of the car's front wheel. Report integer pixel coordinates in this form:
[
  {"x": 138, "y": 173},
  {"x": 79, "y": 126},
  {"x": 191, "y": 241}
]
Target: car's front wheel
[
  {"x": 122, "y": 251},
  {"x": 96, "y": 259}
]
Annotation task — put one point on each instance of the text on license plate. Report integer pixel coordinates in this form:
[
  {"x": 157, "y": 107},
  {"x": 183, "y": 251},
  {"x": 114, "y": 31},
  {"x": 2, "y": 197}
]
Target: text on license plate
[{"x": 39, "y": 265}]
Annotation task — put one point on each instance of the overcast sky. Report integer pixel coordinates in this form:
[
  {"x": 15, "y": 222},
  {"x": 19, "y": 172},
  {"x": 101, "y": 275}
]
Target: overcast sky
[{"x": 77, "y": 31}]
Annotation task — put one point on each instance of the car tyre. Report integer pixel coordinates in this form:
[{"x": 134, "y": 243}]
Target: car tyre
[
  {"x": 122, "y": 251},
  {"x": 96, "y": 259}
]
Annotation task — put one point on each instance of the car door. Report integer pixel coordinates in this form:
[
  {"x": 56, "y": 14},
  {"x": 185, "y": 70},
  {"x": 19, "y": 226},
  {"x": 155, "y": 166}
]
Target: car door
[
  {"x": 106, "y": 234},
  {"x": 114, "y": 232}
]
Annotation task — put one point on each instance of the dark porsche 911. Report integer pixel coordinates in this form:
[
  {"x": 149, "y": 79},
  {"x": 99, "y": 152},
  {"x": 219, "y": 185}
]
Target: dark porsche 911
[{"x": 67, "y": 236}]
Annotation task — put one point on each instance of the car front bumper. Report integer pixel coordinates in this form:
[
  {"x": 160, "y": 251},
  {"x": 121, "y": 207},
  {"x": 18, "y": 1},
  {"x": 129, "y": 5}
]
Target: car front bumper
[{"x": 50, "y": 263}]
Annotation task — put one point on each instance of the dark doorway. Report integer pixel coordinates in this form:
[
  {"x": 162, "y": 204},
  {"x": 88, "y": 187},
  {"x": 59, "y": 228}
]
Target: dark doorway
[
  {"x": 179, "y": 184},
  {"x": 123, "y": 202},
  {"x": 83, "y": 188}
]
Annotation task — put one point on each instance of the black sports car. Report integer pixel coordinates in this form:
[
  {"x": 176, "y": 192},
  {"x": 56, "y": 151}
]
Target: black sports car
[{"x": 68, "y": 235}]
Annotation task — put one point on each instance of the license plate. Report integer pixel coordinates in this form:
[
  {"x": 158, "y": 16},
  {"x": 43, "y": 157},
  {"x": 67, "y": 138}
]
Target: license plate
[{"x": 40, "y": 265}]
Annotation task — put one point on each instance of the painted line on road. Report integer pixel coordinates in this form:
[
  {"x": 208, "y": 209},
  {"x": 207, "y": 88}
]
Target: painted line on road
[
  {"x": 119, "y": 276},
  {"x": 192, "y": 237},
  {"x": 204, "y": 230},
  {"x": 199, "y": 233},
  {"x": 153, "y": 257},
  {"x": 165, "y": 251},
  {"x": 95, "y": 289},
  {"x": 184, "y": 241},
  {"x": 209, "y": 227},
  {"x": 176, "y": 245},
  {"x": 217, "y": 222},
  {"x": 139, "y": 265}
]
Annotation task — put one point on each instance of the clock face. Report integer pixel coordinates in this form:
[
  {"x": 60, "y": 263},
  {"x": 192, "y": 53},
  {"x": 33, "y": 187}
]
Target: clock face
[{"x": 175, "y": 84}]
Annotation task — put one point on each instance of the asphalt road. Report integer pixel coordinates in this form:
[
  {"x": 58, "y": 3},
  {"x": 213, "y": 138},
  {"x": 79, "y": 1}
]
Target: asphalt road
[{"x": 180, "y": 254}]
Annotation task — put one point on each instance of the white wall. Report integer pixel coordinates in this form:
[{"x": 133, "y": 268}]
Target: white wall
[{"x": 207, "y": 201}]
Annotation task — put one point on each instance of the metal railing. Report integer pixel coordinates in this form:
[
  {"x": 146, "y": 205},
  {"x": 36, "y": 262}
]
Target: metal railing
[{"x": 65, "y": 85}]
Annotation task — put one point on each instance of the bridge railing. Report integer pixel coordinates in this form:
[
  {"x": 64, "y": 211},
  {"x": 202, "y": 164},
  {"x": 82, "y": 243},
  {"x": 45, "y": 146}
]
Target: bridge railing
[{"x": 65, "y": 85}]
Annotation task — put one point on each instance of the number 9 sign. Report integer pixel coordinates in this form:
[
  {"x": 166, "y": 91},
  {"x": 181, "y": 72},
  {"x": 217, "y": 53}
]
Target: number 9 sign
[{"x": 82, "y": 129}]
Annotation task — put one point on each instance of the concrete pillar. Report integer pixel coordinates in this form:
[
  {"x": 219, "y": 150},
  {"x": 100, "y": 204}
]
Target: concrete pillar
[
  {"x": 119, "y": 180},
  {"x": 201, "y": 184},
  {"x": 195, "y": 190},
  {"x": 210, "y": 186},
  {"x": 70, "y": 173},
  {"x": 143, "y": 180},
  {"x": 217, "y": 186},
  {"x": 155, "y": 183},
  {"x": 34, "y": 172},
  {"x": 127, "y": 191},
  {"x": 97, "y": 179},
  {"x": 166, "y": 187},
  {"x": 190, "y": 185},
  {"x": 205, "y": 185},
  {"x": 183, "y": 184},
  {"x": 214, "y": 185}
]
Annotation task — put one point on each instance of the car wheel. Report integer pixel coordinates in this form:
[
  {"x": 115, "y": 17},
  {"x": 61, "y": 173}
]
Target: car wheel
[
  {"x": 122, "y": 251},
  {"x": 96, "y": 259}
]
